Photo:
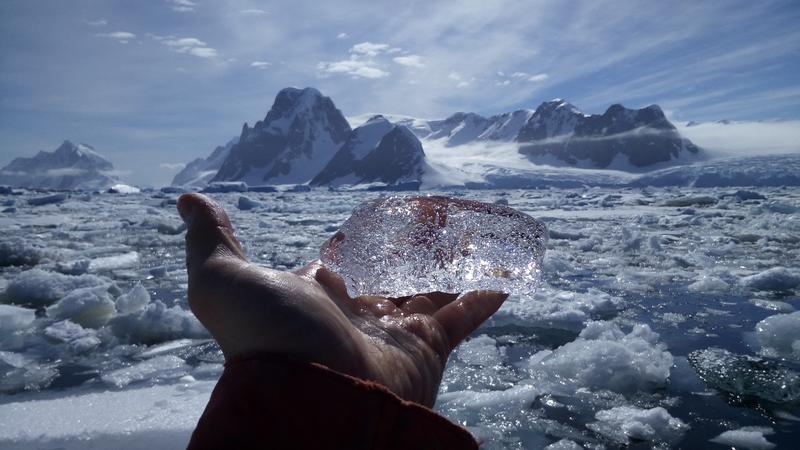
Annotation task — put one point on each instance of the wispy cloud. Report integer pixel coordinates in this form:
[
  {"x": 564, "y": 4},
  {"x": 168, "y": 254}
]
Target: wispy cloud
[
  {"x": 354, "y": 67},
  {"x": 191, "y": 46},
  {"x": 342, "y": 36},
  {"x": 260, "y": 64},
  {"x": 171, "y": 166},
  {"x": 122, "y": 37},
  {"x": 96, "y": 23},
  {"x": 254, "y": 12},
  {"x": 369, "y": 48},
  {"x": 409, "y": 60},
  {"x": 182, "y": 5}
]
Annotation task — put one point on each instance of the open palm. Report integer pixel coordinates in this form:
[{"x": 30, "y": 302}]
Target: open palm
[{"x": 402, "y": 343}]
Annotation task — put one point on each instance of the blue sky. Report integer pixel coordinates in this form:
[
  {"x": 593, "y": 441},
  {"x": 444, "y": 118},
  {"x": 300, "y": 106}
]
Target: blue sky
[{"x": 152, "y": 84}]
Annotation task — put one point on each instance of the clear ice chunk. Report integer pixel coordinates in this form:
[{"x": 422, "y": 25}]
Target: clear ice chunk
[
  {"x": 400, "y": 246},
  {"x": 746, "y": 376}
]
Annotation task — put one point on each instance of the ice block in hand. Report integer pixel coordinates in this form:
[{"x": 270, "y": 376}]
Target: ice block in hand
[{"x": 399, "y": 246}]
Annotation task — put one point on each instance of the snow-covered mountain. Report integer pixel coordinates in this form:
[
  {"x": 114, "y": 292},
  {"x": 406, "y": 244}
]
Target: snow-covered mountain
[
  {"x": 558, "y": 133},
  {"x": 200, "y": 171},
  {"x": 299, "y": 136},
  {"x": 305, "y": 139},
  {"x": 551, "y": 119},
  {"x": 70, "y": 166},
  {"x": 377, "y": 151},
  {"x": 620, "y": 138}
]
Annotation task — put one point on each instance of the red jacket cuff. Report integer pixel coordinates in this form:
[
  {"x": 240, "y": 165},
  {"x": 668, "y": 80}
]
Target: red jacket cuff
[{"x": 269, "y": 401}]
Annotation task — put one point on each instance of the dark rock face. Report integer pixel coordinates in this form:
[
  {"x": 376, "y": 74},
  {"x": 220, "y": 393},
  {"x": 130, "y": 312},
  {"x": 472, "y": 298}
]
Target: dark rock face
[
  {"x": 551, "y": 119},
  {"x": 70, "y": 166},
  {"x": 361, "y": 141},
  {"x": 298, "y": 137},
  {"x": 375, "y": 152},
  {"x": 506, "y": 126},
  {"x": 460, "y": 128},
  {"x": 200, "y": 171},
  {"x": 644, "y": 137},
  {"x": 398, "y": 157}
]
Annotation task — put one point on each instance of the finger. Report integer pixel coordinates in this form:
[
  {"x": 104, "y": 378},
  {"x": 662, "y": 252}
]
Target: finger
[
  {"x": 309, "y": 270},
  {"x": 440, "y": 299},
  {"x": 332, "y": 283},
  {"x": 209, "y": 231},
  {"x": 465, "y": 315},
  {"x": 377, "y": 306},
  {"x": 419, "y": 304}
]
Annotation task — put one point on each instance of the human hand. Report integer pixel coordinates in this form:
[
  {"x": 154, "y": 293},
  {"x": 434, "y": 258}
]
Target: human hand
[{"x": 402, "y": 343}]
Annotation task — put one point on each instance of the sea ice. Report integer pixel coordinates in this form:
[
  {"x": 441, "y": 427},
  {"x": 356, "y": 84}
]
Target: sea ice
[
  {"x": 430, "y": 244},
  {"x": 779, "y": 335},
  {"x": 564, "y": 444},
  {"x": 79, "y": 339},
  {"x": 122, "y": 261},
  {"x": 19, "y": 372},
  {"x": 604, "y": 357},
  {"x": 14, "y": 318},
  {"x": 159, "y": 367},
  {"x": 19, "y": 252},
  {"x": 157, "y": 323},
  {"x": 751, "y": 438},
  {"x": 90, "y": 307},
  {"x": 553, "y": 308},
  {"x": 709, "y": 283},
  {"x": 774, "y": 279},
  {"x": 47, "y": 199},
  {"x": 133, "y": 301},
  {"x": 38, "y": 287},
  {"x": 123, "y": 189},
  {"x": 746, "y": 376},
  {"x": 625, "y": 423},
  {"x": 246, "y": 203}
]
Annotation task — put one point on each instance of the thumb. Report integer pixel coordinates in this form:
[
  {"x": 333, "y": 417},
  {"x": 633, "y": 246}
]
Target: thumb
[
  {"x": 465, "y": 315},
  {"x": 209, "y": 231}
]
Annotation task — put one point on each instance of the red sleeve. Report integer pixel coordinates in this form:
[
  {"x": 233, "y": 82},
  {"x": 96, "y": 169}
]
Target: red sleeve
[{"x": 273, "y": 403}]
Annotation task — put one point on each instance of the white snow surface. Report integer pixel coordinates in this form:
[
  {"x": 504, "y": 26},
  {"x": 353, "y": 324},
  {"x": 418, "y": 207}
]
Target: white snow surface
[
  {"x": 751, "y": 438},
  {"x": 779, "y": 335},
  {"x": 624, "y": 423}
]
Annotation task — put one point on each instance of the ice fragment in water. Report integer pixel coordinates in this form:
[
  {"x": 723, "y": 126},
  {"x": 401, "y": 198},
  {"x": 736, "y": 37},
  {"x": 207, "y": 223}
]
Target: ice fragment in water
[
  {"x": 399, "y": 246},
  {"x": 746, "y": 376}
]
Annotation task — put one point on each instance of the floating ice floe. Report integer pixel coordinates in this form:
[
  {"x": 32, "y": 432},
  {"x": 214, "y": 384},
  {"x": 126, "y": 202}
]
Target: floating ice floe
[
  {"x": 751, "y": 438},
  {"x": 157, "y": 323},
  {"x": 19, "y": 252},
  {"x": 38, "y": 287},
  {"x": 625, "y": 423},
  {"x": 564, "y": 444},
  {"x": 246, "y": 203},
  {"x": 779, "y": 335},
  {"x": 157, "y": 368},
  {"x": 47, "y": 199},
  {"x": 552, "y": 308},
  {"x": 774, "y": 279},
  {"x": 123, "y": 189},
  {"x": 604, "y": 357},
  {"x": 90, "y": 307},
  {"x": 746, "y": 376},
  {"x": 79, "y": 339},
  {"x": 133, "y": 301},
  {"x": 14, "y": 318},
  {"x": 19, "y": 372}
]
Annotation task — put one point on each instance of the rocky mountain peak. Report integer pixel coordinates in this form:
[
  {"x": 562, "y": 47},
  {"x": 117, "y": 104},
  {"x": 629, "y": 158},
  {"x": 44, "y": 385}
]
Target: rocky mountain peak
[{"x": 301, "y": 132}]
